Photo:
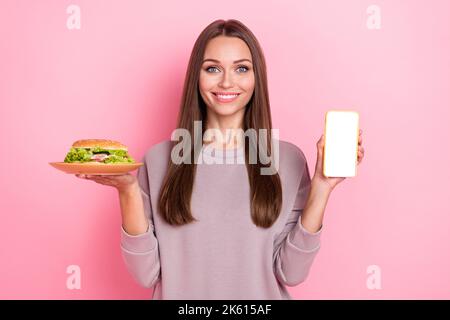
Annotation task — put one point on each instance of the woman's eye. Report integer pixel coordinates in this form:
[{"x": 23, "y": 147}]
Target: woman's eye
[
  {"x": 242, "y": 67},
  {"x": 210, "y": 69}
]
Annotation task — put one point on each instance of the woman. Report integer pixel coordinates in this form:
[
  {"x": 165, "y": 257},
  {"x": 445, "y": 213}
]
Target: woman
[{"x": 202, "y": 229}]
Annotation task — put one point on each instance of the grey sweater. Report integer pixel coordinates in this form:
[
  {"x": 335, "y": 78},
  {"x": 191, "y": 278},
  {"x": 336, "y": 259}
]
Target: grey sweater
[{"x": 224, "y": 255}]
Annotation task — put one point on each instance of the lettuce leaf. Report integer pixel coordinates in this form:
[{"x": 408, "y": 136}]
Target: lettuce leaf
[{"x": 85, "y": 154}]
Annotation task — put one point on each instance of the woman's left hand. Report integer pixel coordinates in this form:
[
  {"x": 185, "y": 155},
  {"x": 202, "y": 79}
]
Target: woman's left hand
[{"x": 331, "y": 182}]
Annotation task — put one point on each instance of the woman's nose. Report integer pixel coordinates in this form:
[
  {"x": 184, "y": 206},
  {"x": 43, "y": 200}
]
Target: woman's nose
[{"x": 226, "y": 81}]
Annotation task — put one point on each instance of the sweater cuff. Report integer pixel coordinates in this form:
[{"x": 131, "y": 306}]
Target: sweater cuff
[
  {"x": 303, "y": 239},
  {"x": 141, "y": 243}
]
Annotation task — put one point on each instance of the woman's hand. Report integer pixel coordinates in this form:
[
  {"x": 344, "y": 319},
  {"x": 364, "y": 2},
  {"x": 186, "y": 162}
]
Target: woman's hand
[
  {"x": 121, "y": 182},
  {"x": 331, "y": 182}
]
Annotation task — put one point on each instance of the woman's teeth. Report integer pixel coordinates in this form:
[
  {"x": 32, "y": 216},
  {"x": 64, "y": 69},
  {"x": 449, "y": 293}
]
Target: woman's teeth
[{"x": 226, "y": 97}]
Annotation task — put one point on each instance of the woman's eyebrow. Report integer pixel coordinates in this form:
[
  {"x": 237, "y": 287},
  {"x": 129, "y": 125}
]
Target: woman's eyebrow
[{"x": 217, "y": 61}]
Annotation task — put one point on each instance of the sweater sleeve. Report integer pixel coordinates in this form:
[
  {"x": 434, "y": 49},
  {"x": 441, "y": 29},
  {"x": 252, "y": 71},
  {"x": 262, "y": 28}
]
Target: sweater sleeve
[
  {"x": 140, "y": 252},
  {"x": 295, "y": 248}
]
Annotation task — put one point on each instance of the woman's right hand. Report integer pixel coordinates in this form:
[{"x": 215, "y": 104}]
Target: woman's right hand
[{"x": 122, "y": 182}]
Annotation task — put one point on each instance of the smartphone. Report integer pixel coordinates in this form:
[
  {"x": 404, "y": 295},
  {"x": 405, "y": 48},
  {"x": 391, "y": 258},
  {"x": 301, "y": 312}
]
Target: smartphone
[{"x": 341, "y": 143}]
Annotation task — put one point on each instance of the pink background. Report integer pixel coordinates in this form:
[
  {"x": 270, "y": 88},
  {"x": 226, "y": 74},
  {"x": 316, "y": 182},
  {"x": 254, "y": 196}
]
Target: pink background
[{"x": 120, "y": 77}]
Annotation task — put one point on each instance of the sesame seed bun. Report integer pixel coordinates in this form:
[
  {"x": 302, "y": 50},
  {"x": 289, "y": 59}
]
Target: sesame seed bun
[{"x": 101, "y": 143}]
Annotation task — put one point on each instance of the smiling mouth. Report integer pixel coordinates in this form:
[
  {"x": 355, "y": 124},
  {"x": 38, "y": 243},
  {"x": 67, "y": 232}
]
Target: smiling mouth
[{"x": 225, "y": 97}]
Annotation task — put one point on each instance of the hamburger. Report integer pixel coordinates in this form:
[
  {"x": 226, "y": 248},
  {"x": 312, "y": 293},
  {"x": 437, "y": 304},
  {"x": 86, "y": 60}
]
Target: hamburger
[{"x": 98, "y": 151}]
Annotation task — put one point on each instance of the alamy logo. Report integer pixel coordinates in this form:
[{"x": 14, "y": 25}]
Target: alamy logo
[
  {"x": 74, "y": 280},
  {"x": 374, "y": 279},
  {"x": 74, "y": 20},
  {"x": 374, "y": 19},
  {"x": 258, "y": 148}
]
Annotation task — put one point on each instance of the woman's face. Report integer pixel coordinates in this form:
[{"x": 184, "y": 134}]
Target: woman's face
[{"x": 227, "y": 80}]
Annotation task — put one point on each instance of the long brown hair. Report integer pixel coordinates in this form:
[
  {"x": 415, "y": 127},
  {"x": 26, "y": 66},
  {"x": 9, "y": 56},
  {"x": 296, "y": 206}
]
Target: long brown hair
[{"x": 265, "y": 190}]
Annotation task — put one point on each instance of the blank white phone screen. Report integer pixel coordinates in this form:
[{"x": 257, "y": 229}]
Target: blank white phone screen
[{"x": 341, "y": 143}]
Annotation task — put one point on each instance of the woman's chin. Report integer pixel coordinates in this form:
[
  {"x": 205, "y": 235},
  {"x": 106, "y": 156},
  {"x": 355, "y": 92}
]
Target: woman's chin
[{"x": 226, "y": 110}]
